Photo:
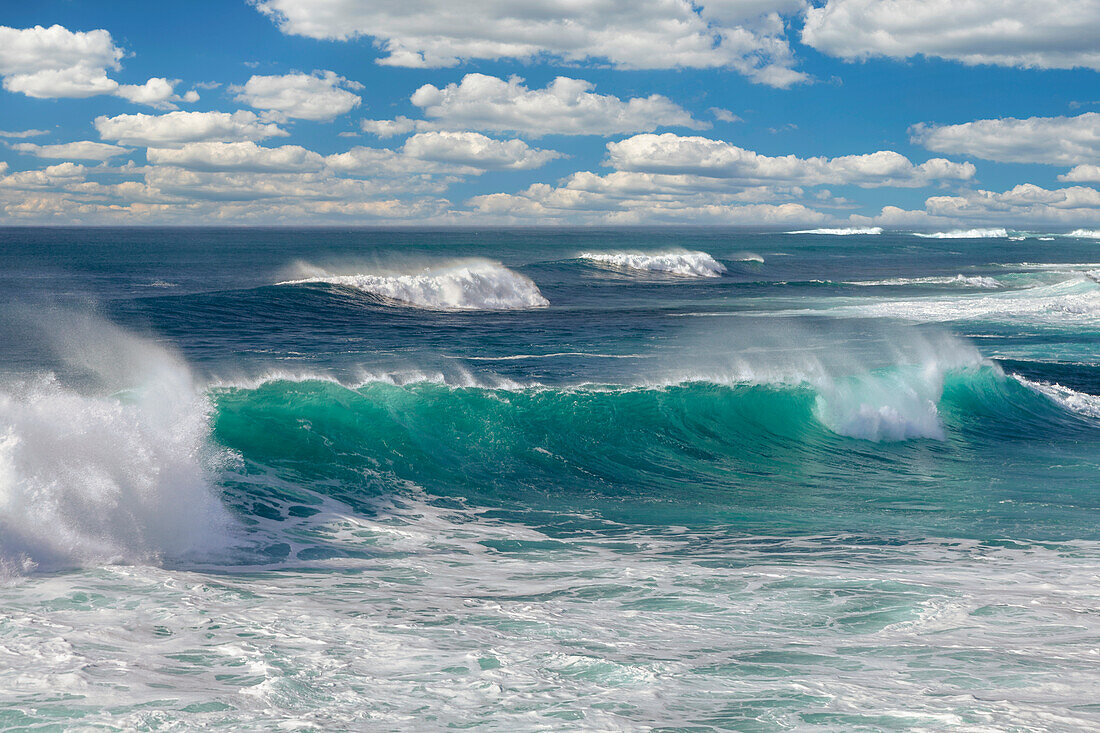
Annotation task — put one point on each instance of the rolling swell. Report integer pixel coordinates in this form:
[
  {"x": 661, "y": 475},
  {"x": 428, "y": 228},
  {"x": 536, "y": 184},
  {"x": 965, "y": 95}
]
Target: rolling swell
[{"x": 700, "y": 440}]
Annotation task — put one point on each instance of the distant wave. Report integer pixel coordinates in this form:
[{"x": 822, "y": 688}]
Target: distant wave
[
  {"x": 841, "y": 232},
  {"x": 996, "y": 233},
  {"x": 470, "y": 285},
  {"x": 1074, "y": 299},
  {"x": 685, "y": 263},
  {"x": 1085, "y": 233},
  {"x": 967, "y": 281}
]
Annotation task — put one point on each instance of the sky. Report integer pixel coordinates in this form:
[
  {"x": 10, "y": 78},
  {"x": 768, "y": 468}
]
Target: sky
[{"x": 902, "y": 114}]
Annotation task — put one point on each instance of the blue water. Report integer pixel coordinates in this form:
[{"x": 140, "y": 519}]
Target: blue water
[{"x": 548, "y": 479}]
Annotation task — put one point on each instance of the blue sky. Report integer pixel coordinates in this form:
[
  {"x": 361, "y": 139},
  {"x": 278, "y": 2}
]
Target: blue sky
[{"x": 746, "y": 112}]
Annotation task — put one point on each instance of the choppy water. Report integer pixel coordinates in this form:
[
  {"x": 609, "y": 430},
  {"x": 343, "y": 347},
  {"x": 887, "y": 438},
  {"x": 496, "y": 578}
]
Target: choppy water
[{"x": 549, "y": 480}]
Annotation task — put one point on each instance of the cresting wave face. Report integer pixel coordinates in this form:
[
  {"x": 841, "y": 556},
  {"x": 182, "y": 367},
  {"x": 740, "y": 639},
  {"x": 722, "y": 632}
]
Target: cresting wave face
[
  {"x": 679, "y": 262},
  {"x": 464, "y": 285}
]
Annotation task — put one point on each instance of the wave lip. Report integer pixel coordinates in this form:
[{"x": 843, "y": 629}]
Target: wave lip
[
  {"x": 684, "y": 262},
  {"x": 1085, "y": 233},
  {"x": 991, "y": 233},
  {"x": 841, "y": 231},
  {"x": 1081, "y": 403},
  {"x": 470, "y": 285}
]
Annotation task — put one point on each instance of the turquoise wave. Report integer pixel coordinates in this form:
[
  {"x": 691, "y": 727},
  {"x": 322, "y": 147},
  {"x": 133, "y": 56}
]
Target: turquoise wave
[{"x": 690, "y": 452}]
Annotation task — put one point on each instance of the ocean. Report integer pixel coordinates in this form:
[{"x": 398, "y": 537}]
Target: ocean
[{"x": 549, "y": 479}]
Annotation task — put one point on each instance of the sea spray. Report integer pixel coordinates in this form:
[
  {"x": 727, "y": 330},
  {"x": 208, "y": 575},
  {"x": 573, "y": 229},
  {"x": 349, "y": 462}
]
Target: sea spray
[
  {"x": 673, "y": 262},
  {"x": 464, "y": 285},
  {"x": 108, "y": 461}
]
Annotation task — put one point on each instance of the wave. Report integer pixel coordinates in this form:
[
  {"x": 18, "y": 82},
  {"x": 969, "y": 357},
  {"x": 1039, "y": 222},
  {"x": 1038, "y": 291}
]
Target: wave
[
  {"x": 467, "y": 285},
  {"x": 842, "y": 231},
  {"x": 115, "y": 467},
  {"x": 968, "y": 281},
  {"x": 685, "y": 263},
  {"x": 994, "y": 233},
  {"x": 1085, "y": 233},
  {"x": 1072, "y": 400},
  {"x": 1074, "y": 300}
]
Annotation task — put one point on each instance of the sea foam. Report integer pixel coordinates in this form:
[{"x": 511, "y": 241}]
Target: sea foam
[
  {"x": 117, "y": 469},
  {"x": 467, "y": 285},
  {"x": 841, "y": 231},
  {"x": 676, "y": 262},
  {"x": 994, "y": 233}
]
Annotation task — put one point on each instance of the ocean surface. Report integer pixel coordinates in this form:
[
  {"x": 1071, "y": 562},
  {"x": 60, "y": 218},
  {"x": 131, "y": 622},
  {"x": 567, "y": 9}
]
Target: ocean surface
[{"x": 695, "y": 480}]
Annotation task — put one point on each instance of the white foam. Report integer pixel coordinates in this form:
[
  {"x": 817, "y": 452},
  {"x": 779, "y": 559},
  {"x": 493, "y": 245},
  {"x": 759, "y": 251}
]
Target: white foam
[
  {"x": 1080, "y": 402},
  {"x": 995, "y": 233},
  {"x": 102, "y": 474},
  {"x": 467, "y": 285},
  {"x": 674, "y": 262},
  {"x": 841, "y": 232},
  {"x": 1076, "y": 299},
  {"x": 1085, "y": 233},
  {"x": 967, "y": 281}
]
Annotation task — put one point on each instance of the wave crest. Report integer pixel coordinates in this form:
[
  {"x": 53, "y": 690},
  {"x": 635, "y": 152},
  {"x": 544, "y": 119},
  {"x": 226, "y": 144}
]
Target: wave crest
[
  {"x": 685, "y": 263},
  {"x": 471, "y": 285},
  {"x": 841, "y": 231},
  {"x": 992, "y": 233}
]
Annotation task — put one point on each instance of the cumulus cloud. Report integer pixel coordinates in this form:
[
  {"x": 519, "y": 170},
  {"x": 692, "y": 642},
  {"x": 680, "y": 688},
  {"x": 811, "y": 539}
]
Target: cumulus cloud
[
  {"x": 577, "y": 201},
  {"x": 435, "y": 159},
  {"x": 1022, "y": 205},
  {"x": 700, "y": 156},
  {"x": 1020, "y": 33},
  {"x": 82, "y": 150},
  {"x": 1049, "y": 140},
  {"x": 1082, "y": 174},
  {"x": 238, "y": 156},
  {"x": 319, "y": 96},
  {"x": 564, "y": 107},
  {"x": 746, "y": 35},
  {"x": 178, "y": 128},
  {"x": 56, "y": 62},
  {"x": 391, "y": 128},
  {"x": 475, "y": 150}
]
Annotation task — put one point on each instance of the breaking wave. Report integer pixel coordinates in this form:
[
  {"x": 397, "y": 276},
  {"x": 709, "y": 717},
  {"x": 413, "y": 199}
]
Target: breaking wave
[
  {"x": 842, "y": 231},
  {"x": 468, "y": 285},
  {"x": 685, "y": 263},
  {"x": 967, "y": 281},
  {"x": 114, "y": 466},
  {"x": 995, "y": 233}
]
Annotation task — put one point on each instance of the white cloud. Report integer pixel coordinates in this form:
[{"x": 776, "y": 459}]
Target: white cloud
[
  {"x": 238, "y": 156},
  {"x": 1082, "y": 174},
  {"x": 157, "y": 92},
  {"x": 575, "y": 202},
  {"x": 1049, "y": 140},
  {"x": 565, "y": 107},
  {"x": 317, "y": 96},
  {"x": 82, "y": 150},
  {"x": 56, "y": 62},
  {"x": 391, "y": 128},
  {"x": 21, "y": 134},
  {"x": 475, "y": 150},
  {"x": 1022, "y": 205},
  {"x": 1022, "y": 33},
  {"x": 700, "y": 156},
  {"x": 178, "y": 128},
  {"x": 746, "y": 35}
]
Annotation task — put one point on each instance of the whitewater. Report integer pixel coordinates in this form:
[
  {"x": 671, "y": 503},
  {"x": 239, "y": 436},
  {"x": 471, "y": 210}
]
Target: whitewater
[{"x": 548, "y": 480}]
